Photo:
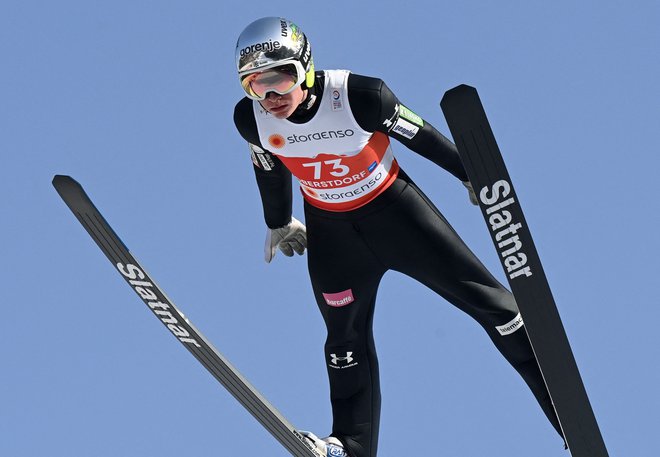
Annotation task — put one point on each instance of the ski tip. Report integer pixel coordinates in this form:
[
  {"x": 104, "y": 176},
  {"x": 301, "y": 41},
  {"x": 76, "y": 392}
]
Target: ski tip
[
  {"x": 64, "y": 183},
  {"x": 63, "y": 180},
  {"x": 461, "y": 90}
]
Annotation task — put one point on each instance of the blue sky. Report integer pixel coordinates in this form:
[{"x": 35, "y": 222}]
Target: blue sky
[{"x": 134, "y": 100}]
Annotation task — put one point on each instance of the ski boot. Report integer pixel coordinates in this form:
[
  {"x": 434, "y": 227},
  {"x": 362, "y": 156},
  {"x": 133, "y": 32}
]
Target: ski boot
[{"x": 327, "y": 447}]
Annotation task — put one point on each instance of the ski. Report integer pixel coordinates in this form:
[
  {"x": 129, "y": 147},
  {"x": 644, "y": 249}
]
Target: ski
[
  {"x": 164, "y": 309},
  {"x": 510, "y": 233}
]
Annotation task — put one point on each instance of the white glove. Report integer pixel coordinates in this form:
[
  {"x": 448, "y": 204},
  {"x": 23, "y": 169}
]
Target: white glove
[
  {"x": 292, "y": 237},
  {"x": 471, "y": 194}
]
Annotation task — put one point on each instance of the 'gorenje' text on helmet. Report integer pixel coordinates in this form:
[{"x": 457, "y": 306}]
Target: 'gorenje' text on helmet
[{"x": 272, "y": 42}]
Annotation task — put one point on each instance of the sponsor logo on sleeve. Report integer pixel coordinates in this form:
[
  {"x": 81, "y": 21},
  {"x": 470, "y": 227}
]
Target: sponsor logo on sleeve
[
  {"x": 255, "y": 161},
  {"x": 405, "y": 128},
  {"x": 412, "y": 117},
  {"x": 261, "y": 158},
  {"x": 389, "y": 122}
]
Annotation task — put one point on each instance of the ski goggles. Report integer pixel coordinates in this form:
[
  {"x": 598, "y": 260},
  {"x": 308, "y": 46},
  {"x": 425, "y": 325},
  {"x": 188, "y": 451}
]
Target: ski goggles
[{"x": 280, "y": 79}]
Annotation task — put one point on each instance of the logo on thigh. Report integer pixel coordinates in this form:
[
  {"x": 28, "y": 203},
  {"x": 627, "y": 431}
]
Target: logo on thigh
[{"x": 339, "y": 299}]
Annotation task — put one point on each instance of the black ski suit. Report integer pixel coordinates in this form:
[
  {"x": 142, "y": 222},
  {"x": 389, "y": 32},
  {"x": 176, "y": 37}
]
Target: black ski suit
[{"x": 399, "y": 229}]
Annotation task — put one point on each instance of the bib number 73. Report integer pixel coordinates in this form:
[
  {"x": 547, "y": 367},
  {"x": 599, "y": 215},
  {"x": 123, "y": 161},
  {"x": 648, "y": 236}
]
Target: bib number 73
[{"x": 338, "y": 169}]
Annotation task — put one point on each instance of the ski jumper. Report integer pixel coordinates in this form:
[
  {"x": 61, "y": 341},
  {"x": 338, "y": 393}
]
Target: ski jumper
[{"x": 365, "y": 216}]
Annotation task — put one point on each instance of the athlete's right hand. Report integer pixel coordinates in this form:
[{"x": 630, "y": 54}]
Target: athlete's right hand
[{"x": 292, "y": 237}]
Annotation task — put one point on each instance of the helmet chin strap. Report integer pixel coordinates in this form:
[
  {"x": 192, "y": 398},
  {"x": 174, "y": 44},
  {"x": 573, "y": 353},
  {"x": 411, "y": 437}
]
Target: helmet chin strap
[{"x": 309, "y": 99}]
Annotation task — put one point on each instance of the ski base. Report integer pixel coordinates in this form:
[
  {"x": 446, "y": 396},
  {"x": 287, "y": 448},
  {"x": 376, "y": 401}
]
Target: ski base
[
  {"x": 510, "y": 233},
  {"x": 164, "y": 309}
]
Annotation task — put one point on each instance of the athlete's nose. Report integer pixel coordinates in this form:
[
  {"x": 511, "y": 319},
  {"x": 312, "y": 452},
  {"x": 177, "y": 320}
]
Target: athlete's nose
[{"x": 273, "y": 96}]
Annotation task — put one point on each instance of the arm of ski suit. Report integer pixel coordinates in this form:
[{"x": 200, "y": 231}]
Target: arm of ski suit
[
  {"x": 376, "y": 108},
  {"x": 284, "y": 232},
  {"x": 273, "y": 178}
]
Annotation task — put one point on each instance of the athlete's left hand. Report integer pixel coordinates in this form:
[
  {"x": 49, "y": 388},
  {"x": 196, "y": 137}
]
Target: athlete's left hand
[
  {"x": 292, "y": 237},
  {"x": 471, "y": 194}
]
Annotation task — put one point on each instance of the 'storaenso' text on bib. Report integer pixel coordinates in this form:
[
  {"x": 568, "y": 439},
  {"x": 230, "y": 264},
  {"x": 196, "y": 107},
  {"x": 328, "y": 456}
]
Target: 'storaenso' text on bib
[{"x": 340, "y": 166}]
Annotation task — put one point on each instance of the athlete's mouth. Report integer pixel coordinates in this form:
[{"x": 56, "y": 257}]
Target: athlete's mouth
[{"x": 279, "y": 109}]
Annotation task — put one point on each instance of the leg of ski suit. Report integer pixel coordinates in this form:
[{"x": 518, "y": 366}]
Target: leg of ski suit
[{"x": 348, "y": 253}]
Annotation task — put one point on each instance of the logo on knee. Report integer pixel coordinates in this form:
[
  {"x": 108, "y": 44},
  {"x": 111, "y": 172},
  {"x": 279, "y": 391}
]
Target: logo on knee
[
  {"x": 339, "y": 299},
  {"x": 511, "y": 326}
]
